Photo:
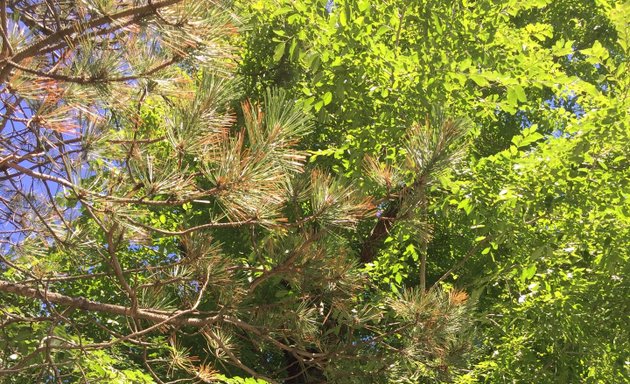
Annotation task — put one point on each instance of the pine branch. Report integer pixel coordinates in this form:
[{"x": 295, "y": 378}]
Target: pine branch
[
  {"x": 95, "y": 80},
  {"x": 60, "y": 35},
  {"x": 180, "y": 318},
  {"x": 431, "y": 148}
]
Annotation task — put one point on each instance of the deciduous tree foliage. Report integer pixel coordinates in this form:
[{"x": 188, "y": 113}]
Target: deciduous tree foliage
[{"x": 314, "y": 191}]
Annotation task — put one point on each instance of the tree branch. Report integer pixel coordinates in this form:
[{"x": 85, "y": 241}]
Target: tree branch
[
  {"x": 32, "y": 50},
  {"x": 174, "y": 318}
]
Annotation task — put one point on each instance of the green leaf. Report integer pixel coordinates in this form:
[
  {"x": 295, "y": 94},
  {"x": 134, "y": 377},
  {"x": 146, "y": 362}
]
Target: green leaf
[
  {"x": 520, "y": 93},
  {"x": 342, "y": 18},
  {"x": 292, "y": 48},
  {"x": 327, "y": 98},
  {"x": 382, "y": 30},
  {"x": 529, "y": 136},
  {"x": 598, "y": 53},
  {"x": 278, "y": 52},
  {"x": 310, "y": 58},
  {"x": 515, "y": 94},
  {"x": 480, "y": 80},
  {"x": 528, "y": 273}
]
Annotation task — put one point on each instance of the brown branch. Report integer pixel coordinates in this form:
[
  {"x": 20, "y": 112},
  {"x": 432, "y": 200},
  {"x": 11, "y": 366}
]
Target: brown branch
[
  {"x": 423, "y": 267},
  {"x": 94, "y": 80},
  {"x": 112, "y": 246},
  {"x": 174, "y": 318},
  {"x": 379, "y": 233},
  {"x": 7, "y": 50},
  {"x": 115, "y": 199},
  {"x": 58, "y": 36},
  {"x": 230, "y": 224}
]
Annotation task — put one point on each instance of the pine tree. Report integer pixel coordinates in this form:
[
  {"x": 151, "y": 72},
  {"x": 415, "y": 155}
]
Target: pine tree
[{"x": 158, "y": 228}]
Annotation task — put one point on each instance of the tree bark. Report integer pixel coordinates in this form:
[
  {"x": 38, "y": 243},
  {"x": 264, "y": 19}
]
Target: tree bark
[{"x": 379, "y": 233}]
